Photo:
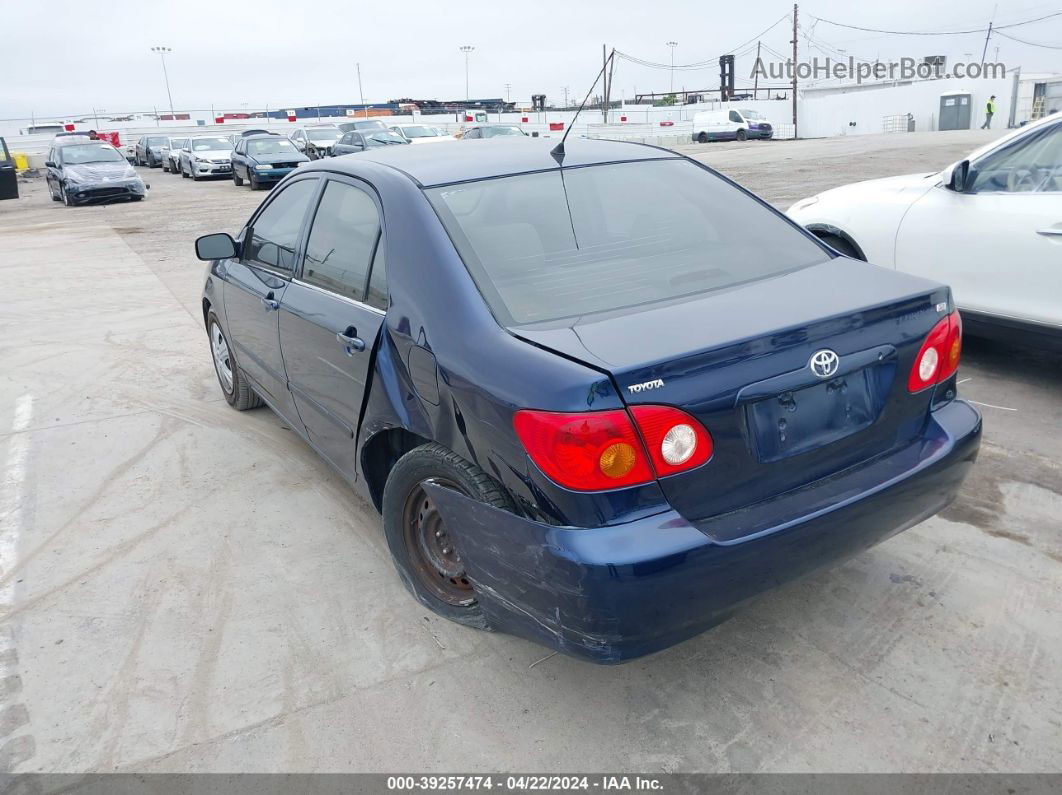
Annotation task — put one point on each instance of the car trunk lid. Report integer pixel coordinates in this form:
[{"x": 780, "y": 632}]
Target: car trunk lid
[{"x": 739, "y": 361}]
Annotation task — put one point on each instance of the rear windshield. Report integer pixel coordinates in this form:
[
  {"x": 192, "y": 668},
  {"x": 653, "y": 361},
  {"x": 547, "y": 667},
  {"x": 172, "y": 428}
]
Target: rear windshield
[{"x": 603, "y": 238}]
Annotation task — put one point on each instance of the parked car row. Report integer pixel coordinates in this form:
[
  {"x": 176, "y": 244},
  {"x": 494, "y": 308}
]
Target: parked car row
[{"x": 261, "y": 158}]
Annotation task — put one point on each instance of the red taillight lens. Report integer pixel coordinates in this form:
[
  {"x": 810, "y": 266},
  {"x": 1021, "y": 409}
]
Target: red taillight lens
[
  {"x": 600, "y": 450},
  {"x": 594, "y": 451},
  {"x": 938, "y": 358},
  {"x": 675, "y": 440}
]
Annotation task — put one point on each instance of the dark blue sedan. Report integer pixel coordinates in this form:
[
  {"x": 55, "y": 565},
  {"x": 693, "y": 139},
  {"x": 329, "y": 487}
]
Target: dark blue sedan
[
  {"x": 264, "y": 159},
  {"x": 600, "y": 402}
]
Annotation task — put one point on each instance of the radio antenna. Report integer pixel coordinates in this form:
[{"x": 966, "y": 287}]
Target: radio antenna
[{"x": 558, "y": 150}]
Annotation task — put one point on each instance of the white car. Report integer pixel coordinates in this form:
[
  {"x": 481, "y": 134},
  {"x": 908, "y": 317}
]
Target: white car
[
  {"x": 171, "y": 154},
  {"x": 990, "y": 226},
  {"x": 206, "y": 156},
  {"x": 421, "y": 133}
]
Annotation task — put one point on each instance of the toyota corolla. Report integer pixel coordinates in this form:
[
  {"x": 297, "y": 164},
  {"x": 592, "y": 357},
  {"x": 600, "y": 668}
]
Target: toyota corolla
[{"x": 601, "y": 398}]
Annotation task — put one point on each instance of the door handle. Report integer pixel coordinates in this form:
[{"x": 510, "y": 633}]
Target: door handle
[
  {"x": 351, "y": 340},
  {"x": 269, "y": 303},
  {"x": 1054, "y": 231}
]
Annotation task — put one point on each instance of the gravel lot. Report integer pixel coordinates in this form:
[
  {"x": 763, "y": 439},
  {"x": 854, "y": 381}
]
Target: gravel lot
[{"x": 186, "y": 588}]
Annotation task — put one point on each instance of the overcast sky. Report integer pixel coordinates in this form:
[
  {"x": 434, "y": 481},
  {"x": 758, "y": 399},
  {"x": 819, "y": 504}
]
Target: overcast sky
[{"x": 61, "y": 58}]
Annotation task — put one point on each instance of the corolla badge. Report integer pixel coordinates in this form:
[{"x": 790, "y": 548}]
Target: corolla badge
[{"x": 824, "y": 363}]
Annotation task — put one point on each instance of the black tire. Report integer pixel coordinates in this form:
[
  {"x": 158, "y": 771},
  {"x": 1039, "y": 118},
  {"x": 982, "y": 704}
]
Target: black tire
[
  {"x": 702, "y": 138},
  {"x": 55, "y": 198},
  {"x": 255, "y": 184},
  {"x": 838, "y": 243},
  {"x": 136, "y": 198},
  {"x": 237, "y": 180},
  {"x": 742, "y": 135},
  {"x": 195, "y": 176},
  {"x": 238, "y": 393},
  {"x": 183, "y": 174},
  {"x": 63, "y": 197},
  {"x": 429, "y": 563}
]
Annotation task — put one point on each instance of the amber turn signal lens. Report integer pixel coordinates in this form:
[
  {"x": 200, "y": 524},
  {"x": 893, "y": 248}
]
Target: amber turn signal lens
[{"x": 617, "y": 459}]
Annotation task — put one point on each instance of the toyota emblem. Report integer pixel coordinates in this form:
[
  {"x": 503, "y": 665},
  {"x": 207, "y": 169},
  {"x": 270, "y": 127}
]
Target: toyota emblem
[{"x": 824, "y": 363}]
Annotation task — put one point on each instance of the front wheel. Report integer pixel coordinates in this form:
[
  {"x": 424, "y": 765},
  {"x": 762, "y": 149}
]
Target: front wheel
[
  {"x": 234, "y": 386},
  {"x": 424, "y": 548},
  {"x": 255, "y": 184},
  {"x": 64, "y": 197},
  {"x": 702, "y": 138},
  {"x": 237, "y": 180},
  {"x": 742, "y": 135},
  {"x": 184, "y": 174}
]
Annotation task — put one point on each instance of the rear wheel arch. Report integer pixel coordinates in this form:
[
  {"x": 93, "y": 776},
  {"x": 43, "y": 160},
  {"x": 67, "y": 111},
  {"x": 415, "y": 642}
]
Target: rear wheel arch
[{"x": 379, "y": 455}]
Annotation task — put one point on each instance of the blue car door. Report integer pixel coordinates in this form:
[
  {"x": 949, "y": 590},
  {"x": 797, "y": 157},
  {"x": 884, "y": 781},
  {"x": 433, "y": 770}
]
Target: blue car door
[
  {"x": 256, "y": 283},
  {"x": 331, "y": 315}
]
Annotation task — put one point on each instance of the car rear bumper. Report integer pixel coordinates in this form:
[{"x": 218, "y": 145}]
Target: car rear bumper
[{"x": 613, "y": 593}]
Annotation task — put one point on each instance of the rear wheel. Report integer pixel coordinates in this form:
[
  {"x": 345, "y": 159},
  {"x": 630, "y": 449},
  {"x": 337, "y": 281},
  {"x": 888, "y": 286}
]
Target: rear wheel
[
  {"x": 234, "y": 386},
  {"x": 424, "y": 548},
  {"x": 702, "y": 138},
  {"x": 742, "y": 135},
  {"x": 838, "y": 243}
]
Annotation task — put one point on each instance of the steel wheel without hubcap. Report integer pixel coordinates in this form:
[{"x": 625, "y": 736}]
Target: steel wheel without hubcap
[
  {"x": 435, "y": 559},
  {"x": 222, "y": 361}
]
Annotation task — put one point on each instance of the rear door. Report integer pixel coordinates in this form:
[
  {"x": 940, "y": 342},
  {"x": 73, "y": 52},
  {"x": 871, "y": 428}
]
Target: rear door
[
  {"x": 331, "y": 315},
  {"x": 256, "y": 284}
]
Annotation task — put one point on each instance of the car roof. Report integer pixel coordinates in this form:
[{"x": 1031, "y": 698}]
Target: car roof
[
  {"x": 459, "y": 161},
  {"x": 263, "y": 135}
]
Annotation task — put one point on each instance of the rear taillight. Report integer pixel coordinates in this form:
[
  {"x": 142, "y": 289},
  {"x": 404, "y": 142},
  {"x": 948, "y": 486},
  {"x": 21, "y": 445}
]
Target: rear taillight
[
  {"x": 600, "y": 450},
  {"x": 938, "y": 358}
]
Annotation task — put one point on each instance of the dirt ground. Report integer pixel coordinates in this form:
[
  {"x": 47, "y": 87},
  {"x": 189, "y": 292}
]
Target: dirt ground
[{"x": 187, "y": 588}]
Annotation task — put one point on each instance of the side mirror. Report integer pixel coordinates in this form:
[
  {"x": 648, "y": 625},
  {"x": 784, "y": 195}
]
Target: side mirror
[
  {"x": 217, "y": 246},
  {"x": 956, "y": 175},
  {"x": 50, "y": 164}
]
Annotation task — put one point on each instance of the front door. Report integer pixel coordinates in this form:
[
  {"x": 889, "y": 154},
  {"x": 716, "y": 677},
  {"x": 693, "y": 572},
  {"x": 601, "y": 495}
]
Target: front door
[
  {"x": 999, "y": 244},
  {"x": 255, "y": 286},
  {"x": 330, "y": 318}
]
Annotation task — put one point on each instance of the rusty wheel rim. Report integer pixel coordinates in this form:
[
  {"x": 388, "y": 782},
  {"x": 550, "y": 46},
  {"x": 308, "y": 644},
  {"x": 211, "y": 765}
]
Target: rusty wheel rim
[{"x": 432, "y": 552}]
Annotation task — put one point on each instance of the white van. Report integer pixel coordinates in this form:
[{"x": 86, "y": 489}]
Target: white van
[{"x": 730, "y": 125}]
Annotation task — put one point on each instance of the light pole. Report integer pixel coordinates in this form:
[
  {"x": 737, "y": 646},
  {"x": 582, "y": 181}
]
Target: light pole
[
  {"x": 466, "y": 49},
  {"x": 672, "y": 45},
  {"x": 163, "y": 51},
  {"x": 361, "y": 93},
  {"x": 510, "y": 85},
  {"x": 566, "y": 97}
]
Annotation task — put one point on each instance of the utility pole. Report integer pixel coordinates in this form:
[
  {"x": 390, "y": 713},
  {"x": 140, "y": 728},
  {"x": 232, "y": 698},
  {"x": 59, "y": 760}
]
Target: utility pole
[
  {"x": 604, "y": 84},
  {"x": 987, "y": 37},
  {"x": 756, "y": 80},
  {"x": 466, "y": 49},
  {"x": 672, "y": 45},
  {"x": 162, "y": 53},
  {"x": 795, "y": 11},
  {"x": 507, "y": 87},
  {"x": 361, "y": 93},
  {"x": 566, "y": 97},
  {"x": 989, "y": 34}
]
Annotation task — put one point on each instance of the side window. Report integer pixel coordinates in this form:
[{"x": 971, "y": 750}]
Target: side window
[
  {"x": 1033, "y": 165},
  {"x": 378, "y": 279},
  {"x": 474, "y": 133},
  {"x": 736, "y": 117},
  {"x": 342, "y": 240},
  {"x": 275, "y": 234}
]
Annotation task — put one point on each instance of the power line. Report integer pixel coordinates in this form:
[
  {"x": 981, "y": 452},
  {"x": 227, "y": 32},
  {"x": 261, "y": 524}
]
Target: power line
[
  {"x": 1030, "y": 43},
  {"x": 935, "y": 32},
  {"x": 742, "y": 49}
]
